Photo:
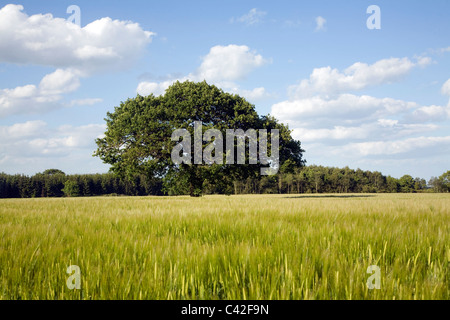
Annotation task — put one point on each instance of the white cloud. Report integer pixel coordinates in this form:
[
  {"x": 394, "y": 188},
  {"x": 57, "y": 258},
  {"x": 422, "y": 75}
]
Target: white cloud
[
  {"x": 42, "y": 39},
  {"x": 30, "y": 99},
  {"x": 430, "y": 113},
  {"x": 327, "y": 81},
  {"x": 433, "y": 112},
  {"x": 345, "y": 106},
  {"x": 424, "y": 61},
  {"x": 35, "y": 139},
  {"x": 33, "y": 146},
  {"x": 387, "y": 126},
  {"x": 22, "y": 130},
  {"x": 79, "y": 136},
  {"x": 158, "y": 88},
  {"x": 221, "y": 66},
  {"x": 320, "y": 23},
  {"x": 387, "y": 122},
  {"x": 349, "y": 118},
  {"x": 228, "y": 63},
  {"x": 253, "y": 17},
  {"x": 386, "y": 129},
  {"x": 255, "y": 94},
  {"x": 85, "y": 102},
  {"x": 380, "y": 148},
  {"x": 446, "y": 88},
  {"x": 336, "y": 133},
  {"x": 145, "y": 88},
  {"x": 337, "y": 126},
  {"x": 25, "y": 99},
  {"x": 58, "y": 82}
]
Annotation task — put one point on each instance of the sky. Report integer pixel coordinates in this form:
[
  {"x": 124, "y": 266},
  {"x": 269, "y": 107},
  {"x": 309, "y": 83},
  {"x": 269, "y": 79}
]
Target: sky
[{"x": 360, "y": 87}]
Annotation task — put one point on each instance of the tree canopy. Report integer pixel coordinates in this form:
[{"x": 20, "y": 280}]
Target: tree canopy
[
  {"x": 138, "y": 139},
  {"x": 307, "y": 179},
  {"x": 53, "y": 172}
]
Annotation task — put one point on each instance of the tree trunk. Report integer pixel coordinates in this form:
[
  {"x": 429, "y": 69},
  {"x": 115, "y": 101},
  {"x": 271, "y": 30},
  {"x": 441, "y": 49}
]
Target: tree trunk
[
  {"x": 280, "y": 184},
  {"x": 195, "y": 182}
]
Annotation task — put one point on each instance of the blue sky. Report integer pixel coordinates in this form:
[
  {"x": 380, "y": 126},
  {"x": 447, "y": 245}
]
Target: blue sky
[{"x": 375, "y": 99}]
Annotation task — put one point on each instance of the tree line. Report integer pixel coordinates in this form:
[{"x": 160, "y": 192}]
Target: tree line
[
  {"x": 308, "y": 179},
  {"x": 55, "y": 183},
  {"x": 320, "y": 179}
]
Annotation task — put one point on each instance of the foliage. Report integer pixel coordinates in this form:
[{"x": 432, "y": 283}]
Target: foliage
[
  {"x": 309, "y": 179},
  {"x": 71, "y": 189},
  {"x": 42, "y": 185},
  {"x": 441, "y": 184},
  {"x": 53, "y": 172},
  {"x": 139, "y": 131}
]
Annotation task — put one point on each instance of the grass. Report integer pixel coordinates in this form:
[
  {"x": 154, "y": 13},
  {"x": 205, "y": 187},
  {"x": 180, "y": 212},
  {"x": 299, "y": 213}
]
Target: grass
[{"x": 218, "y": 247}]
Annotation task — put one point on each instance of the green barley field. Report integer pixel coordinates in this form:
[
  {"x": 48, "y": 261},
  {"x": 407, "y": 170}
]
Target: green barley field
[{"x": 227, "y": 247}]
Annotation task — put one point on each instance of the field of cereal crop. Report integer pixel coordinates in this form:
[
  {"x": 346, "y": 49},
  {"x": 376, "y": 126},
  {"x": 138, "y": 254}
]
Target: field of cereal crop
[{"x": 219, "y": 247}]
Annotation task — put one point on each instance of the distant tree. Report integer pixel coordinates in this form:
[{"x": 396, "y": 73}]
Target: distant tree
[
  {"x": 379, "y": 181},
  {"x": 3, "y": 185},
  {"x": 406, "y": 183},
  {"x": 444, "y": 181},
  {"x": 433, "y": 183},
  {"x": 280, "y": 183},
  {"x": 53, "y": 172},
  {"x": 300, "y": 179},
  {"x": 319, "y": 179},
  {"x": 268, "y": 184},
  {"x": 419, "y": 184},
  {"x": 289, "y": 181},
  {"x": 71, "y": 188},
  {"x": 392, "y": 185},
  {"x": 303, "y": 179},
  {"x": 348, "y": 180}
]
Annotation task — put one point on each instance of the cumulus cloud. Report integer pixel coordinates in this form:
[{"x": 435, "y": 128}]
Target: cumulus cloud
[
  {"x": 35, "y": 146},
  {"x": 320, "y": 23},
  {"x": 350, "y": 117},
  {"x": 42, "y": 39},
  {"x": 386, "y": 129},
  {"x": 416, "y": 145},
  {"x": 430, "y": 113},
  {"x": 335, "y": 133},
  {"x": 229, "y": 63},
  {"x": 22, "y": 130},
  {"x": 58, "y": 82},
  {"x": 345, "y": 106},
  {"x": 328, "y": 81},
  {"x": 445, "y": 90},
  {"x": 433, "y": 112},
  {"x": 158, "y": 88},
  {"x": 253, "y": 17},
  {"x": 25, "y": 99},
  {"x": 254, "y": 94},
  {"x": 331, "y": 121},
  {"x": 424, "y": 61},
  {"x": 46, "y": 96},
  {"x": 85, "y": 102},
  {"x": 146, "y": 88},
  {"x": 221, "y": 66},
  {"x": 36, "y": 139}
]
